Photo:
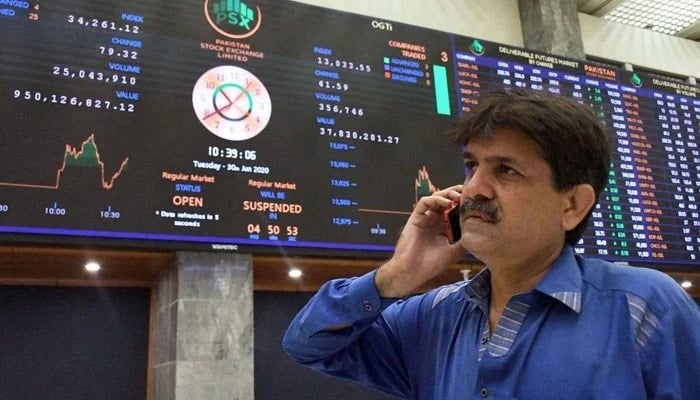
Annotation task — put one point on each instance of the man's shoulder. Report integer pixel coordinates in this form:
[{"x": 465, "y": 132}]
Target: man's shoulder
[
  {"x": 445, "y": 295},
  {"x": 650, "y": 285},
  {"x": 454, "y": 291}
]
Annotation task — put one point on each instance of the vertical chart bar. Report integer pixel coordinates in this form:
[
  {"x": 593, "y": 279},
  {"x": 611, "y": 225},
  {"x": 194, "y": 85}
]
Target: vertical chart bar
[{"x": 442, "y": 97}]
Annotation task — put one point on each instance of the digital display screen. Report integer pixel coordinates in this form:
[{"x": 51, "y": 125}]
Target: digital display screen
[{"x": 266, "y": 126}]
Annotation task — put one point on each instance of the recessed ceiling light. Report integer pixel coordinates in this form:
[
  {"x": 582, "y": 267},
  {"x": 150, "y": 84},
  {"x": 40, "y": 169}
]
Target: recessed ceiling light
[
  {"x": 92, "y": 266},
  {"x": 295, "y": 273}
]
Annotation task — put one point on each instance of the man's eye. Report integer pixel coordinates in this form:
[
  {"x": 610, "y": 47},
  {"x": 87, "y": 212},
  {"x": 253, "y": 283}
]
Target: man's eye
[
  {"x": 469, "y": 167},
  {"x": 504, "y": 169}
]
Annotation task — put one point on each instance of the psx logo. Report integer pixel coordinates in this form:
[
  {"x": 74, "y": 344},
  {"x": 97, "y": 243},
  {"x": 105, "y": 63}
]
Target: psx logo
[{"x": 233, "y": 18}]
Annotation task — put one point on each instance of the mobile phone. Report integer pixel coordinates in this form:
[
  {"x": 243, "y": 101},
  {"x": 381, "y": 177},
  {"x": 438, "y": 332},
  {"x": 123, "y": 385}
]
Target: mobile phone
[{"x": 454, "y": 231}]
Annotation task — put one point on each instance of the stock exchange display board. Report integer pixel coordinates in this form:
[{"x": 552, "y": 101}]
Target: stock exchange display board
[{"x": 278, "y": 126}]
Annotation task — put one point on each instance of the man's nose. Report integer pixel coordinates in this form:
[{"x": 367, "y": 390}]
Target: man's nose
[{"x": 478, "y": 183}]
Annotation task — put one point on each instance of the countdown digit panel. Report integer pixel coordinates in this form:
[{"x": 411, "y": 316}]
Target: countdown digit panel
[{"x": 274, "y": 126}]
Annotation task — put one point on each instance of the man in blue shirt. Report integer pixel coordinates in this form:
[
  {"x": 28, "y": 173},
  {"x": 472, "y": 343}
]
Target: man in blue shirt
[{"x": 539, "y": 322}]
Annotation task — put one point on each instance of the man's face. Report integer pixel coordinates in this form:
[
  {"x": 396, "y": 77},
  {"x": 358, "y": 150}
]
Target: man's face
[{"x": 513, "y": 214}]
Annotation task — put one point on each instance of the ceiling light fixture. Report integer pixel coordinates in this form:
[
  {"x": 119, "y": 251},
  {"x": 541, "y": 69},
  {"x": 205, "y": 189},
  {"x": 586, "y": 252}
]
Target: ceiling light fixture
[
  {"x": 92, "y": 266},
  {"x": 295, "y": 273}
]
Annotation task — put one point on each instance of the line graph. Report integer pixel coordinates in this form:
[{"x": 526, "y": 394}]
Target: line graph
[
  {"x": 423, "y": 187},
  {"x": 87, "y": 156}
]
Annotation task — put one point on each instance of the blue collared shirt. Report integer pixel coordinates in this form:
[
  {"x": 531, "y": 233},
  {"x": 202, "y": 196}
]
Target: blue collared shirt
[{"x": 589, "y": 330}]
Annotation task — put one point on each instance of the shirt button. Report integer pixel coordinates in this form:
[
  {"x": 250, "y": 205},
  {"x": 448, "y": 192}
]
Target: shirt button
[
  {"x": 484, "y": 393},
  {"x": 368, "y": 306},
  {"x": 484, "y": 339}
]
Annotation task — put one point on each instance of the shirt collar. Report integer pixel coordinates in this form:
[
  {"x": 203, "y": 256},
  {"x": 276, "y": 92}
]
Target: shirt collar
[
  {"x": 562, "y": 282},
  {"x": 479, "y": 286}
]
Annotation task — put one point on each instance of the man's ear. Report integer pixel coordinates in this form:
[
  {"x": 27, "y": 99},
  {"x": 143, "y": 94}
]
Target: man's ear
[{"x": 579, "y": 200}]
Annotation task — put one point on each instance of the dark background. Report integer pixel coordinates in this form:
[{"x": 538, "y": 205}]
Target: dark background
[{"x": 73, "y": 343}]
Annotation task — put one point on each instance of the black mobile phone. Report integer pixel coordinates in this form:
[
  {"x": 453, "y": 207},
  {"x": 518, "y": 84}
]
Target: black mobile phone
[{"x": 454, "y": 231}]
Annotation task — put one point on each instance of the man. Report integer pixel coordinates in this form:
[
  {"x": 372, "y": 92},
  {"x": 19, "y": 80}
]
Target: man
[{"x": 539, "y": 322}]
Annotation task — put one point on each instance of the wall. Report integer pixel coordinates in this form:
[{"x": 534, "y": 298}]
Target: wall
[
  {"x": 642, "y": 47},
  {"x": 73, "y": 342},
  {"x": 494, "y": 20}
]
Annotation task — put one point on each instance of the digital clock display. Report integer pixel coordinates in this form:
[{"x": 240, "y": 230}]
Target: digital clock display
[{"x": 231, "y": 152}]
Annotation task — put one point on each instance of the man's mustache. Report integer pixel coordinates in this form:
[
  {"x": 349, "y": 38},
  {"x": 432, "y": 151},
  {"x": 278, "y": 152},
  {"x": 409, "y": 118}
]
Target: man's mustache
[{"x": 481, "y": 205}]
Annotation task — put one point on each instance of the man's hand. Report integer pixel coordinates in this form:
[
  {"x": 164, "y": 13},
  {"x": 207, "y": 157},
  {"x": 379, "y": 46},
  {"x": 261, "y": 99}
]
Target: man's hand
[{"x": 423, "y": 251}]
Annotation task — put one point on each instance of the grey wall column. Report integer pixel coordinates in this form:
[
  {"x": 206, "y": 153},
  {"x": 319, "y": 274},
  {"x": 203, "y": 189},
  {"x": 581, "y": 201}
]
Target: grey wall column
[
  {"x": 552, "y": 26},
  {"x": 203, "y": 329}
]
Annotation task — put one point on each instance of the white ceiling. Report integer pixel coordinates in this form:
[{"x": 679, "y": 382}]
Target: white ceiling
[{"x": 677, "y": 17}]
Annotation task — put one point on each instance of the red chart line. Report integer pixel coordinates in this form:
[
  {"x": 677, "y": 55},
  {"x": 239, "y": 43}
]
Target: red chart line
[
  {"x": 372, "y": 210},
  {"x": 75, "y": 154}
]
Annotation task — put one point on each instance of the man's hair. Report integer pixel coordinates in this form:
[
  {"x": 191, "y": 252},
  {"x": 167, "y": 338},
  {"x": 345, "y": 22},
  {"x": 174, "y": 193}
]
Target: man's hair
[{"x": 571, "y": 138}]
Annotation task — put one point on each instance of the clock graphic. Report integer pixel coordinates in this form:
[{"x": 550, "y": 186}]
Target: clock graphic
[{"x": 231, "y": 103}]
